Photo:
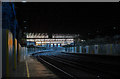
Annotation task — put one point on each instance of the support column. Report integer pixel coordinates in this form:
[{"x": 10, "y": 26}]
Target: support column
[
  {"x": 57, "y": 45},
  {"x": 15, "y": 54},
  {"x": 74, "y": 49},
  {"x": 80, "y": 49},
  {"x": 77, "y": 48},
  {"x": 60, "y": 44}
]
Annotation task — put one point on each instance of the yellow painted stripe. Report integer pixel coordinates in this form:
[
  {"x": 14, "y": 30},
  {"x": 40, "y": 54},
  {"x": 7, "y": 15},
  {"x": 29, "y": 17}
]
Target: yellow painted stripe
[{"x": 27, "y": 70}]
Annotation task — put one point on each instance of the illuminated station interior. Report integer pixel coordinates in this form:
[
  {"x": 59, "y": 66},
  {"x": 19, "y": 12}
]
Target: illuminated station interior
[{"x": 54, "y": 40}]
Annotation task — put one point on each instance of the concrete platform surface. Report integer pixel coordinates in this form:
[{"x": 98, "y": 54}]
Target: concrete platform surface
[
  {"x": 31, "y": 68},
  {"x": 36, "y": 69}
]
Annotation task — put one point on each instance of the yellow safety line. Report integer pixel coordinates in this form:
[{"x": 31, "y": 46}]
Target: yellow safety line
[{"x": 27, "y": 70}]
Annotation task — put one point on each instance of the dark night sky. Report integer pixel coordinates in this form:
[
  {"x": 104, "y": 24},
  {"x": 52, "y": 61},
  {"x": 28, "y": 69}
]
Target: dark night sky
[{"x": 68, "y": 17}]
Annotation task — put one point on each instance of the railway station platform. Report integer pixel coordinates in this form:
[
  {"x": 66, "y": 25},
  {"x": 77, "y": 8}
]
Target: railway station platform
[{"x": 31, "y": 68}]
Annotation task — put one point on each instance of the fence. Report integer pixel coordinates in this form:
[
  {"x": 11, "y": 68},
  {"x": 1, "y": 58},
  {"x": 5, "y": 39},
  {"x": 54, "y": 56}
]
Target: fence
[{"x": 103, "y": 49}]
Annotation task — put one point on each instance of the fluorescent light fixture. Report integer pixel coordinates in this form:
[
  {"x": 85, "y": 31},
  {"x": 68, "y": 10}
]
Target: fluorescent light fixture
[
  {"x": 82, "y": 40},
  {"x": 24, "y": 1}
]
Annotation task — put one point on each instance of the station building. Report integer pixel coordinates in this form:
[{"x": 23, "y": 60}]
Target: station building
[{"x": 46, "y": 40}]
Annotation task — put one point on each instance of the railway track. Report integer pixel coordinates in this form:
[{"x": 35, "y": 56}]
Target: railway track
[
  {"x": 97, "y": 66},
  {"x": 72, "y": 69}
]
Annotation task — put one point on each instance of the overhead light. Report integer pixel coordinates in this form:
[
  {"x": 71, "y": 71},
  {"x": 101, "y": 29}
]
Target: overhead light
[
  {"x": 24, "y": 1},
  {"x": 82, "y": 40}
]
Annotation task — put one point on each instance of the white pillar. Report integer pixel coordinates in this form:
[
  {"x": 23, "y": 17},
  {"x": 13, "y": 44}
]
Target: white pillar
[
  {"x": 87, "y": 49},
  {"x": 80, "y": 49}
]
